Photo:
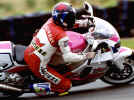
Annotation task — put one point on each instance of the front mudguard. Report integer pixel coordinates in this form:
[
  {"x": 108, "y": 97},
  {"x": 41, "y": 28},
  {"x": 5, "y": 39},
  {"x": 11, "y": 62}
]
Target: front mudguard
[{"x": 119, "y": 57}]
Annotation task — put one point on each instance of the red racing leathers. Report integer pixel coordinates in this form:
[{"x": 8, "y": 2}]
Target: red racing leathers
[{"x": 41, "y": 49}]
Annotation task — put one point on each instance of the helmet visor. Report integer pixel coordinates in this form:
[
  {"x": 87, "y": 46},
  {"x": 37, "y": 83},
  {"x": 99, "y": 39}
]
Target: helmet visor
[{"x": 70, "y": 19}]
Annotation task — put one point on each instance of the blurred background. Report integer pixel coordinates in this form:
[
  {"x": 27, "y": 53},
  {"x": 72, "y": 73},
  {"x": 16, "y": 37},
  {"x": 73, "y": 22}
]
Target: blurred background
[
  {"x": 20, "y": 18},
  {"x": 21, "y": 7}
]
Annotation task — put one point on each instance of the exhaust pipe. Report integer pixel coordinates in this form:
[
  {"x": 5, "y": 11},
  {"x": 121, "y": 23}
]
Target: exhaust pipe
[
  {"x": 9, "y": 88},
  {"x": 6, "y": 87}
]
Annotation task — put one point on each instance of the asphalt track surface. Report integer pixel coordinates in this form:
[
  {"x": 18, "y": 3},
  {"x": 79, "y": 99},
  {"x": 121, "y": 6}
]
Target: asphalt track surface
[{"x": 93, "y": 91}]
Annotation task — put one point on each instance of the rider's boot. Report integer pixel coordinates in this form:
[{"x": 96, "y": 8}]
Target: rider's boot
[
  {"x": 44, "y": 89},
  {"x": 41, "y": 89}
]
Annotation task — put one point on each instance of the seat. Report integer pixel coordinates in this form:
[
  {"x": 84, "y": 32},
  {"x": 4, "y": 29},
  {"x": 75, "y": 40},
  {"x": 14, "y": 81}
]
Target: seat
[{"x": 19, "y": 54}]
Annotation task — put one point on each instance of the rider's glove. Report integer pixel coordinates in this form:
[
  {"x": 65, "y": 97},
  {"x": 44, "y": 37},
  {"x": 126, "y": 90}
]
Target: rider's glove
[{"x": 90, "y": 55}]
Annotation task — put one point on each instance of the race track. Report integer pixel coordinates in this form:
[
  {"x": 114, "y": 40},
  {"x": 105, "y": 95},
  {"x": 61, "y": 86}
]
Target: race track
[{"x": 94, "y": 91}]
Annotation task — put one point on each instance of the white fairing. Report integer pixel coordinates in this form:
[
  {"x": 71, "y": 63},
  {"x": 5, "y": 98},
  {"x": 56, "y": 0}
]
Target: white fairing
[
  {"x": 95, "y": 43},
  {"x": 5, "y": 61},
  {"x": 5, "y": 54},
  {"x": 124, "y": 52},
  {"x": 99, "y": 61},
  {"x": 119, "y": 57},
  {"x": 103, "y": 31},
  {"x": 104, "y": 28},
  {"x": 102, "y": 57}
]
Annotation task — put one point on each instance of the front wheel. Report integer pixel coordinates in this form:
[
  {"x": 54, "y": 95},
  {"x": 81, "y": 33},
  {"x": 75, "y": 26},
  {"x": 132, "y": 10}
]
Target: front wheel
[{"x": 124, "y": 77}]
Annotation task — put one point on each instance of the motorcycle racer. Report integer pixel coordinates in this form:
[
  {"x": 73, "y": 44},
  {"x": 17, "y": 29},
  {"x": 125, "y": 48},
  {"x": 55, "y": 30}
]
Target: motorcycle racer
[{"x": 52, "y": 37}]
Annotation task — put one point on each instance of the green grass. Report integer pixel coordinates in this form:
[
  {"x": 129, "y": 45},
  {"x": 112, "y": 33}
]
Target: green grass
[
  {"x": 19, "y": 7},
  {"x": 128, "y": 42},
  {"x": 104, "y": 3}
]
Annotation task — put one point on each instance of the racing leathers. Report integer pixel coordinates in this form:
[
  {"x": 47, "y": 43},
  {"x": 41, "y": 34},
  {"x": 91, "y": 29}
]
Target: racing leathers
[{"x": 42, "y": 49}]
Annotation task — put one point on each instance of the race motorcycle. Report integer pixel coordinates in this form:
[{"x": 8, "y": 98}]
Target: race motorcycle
[
  {"x": 16, "y": 78},
  {"x": 122, "y": 56}
]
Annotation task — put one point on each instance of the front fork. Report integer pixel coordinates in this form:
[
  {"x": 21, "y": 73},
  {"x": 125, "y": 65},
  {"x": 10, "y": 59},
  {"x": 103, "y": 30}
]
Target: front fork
[{"x": 119, "y": 57}]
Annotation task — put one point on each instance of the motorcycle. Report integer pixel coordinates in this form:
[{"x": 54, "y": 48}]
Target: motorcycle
[
  {"x": 122, "y": 56},
  {"x": 121, "y": 67},
  {"x": 16, "y": 78}
]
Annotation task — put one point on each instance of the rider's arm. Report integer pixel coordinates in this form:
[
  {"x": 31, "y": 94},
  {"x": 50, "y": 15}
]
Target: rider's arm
[{"x": 68, "y": 56}]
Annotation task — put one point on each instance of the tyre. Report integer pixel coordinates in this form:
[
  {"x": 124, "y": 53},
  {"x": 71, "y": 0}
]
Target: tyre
[{"x": 119, "y": 78}]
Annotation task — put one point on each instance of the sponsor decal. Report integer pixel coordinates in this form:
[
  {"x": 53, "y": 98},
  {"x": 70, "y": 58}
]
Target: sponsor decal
[
  {"x": 38, "y": 48},
  {"x": 49, "y": 76}
]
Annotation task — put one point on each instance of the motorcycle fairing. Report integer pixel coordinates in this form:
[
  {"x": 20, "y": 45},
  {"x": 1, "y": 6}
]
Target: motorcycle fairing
[
  {"x": 77, "y": 42},
  {"x": 119, "y": 56},
  {"x": 6, "y": 55}
]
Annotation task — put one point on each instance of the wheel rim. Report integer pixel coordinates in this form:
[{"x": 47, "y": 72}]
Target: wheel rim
[
  {"x": 127, "y": 77},
  {"x": 124, "y": 74}
]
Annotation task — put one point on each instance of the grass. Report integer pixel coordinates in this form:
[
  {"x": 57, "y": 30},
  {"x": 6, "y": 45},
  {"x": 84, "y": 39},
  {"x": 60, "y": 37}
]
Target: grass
[
  {"x": 128, "y": 42},
  {"x": 20, "y": 7},
  {"x": 104, "y": 3}
]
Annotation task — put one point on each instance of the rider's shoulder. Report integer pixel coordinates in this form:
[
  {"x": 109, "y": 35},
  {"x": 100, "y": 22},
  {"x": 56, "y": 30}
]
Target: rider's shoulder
[{"x": 52, "y": 26}]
